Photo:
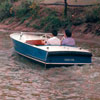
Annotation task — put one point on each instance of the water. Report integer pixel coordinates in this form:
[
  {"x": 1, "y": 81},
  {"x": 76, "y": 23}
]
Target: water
[{"x": 22, "y": 79}]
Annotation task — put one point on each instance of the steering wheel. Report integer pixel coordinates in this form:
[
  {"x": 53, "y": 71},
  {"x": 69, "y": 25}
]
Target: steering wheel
[{"x": 46, "y": 36}]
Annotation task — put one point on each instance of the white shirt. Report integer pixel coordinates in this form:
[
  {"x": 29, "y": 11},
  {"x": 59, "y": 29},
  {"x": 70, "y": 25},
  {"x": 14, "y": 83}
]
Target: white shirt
[{"x": 53, "y": 41}]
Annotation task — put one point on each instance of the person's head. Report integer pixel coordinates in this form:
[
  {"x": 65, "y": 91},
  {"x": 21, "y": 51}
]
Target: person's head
[
  {"x": 54, "y": 32},
  {"x": 68, "y": 33}
]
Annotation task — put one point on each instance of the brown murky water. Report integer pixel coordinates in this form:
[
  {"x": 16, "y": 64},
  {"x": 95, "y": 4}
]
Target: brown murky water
[{"x": 22, "y": 79}]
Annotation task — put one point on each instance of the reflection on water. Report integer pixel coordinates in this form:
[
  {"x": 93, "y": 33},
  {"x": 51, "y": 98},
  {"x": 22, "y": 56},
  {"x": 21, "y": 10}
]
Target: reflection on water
[{"x": 22, "y": 79}]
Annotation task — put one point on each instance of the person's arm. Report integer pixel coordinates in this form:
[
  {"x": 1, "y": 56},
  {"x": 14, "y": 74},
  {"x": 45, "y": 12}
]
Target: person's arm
[{"x": 62, "y": 40}]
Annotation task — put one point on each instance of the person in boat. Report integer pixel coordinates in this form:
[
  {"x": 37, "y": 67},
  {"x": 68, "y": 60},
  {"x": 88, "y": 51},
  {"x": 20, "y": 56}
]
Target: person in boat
[
  {"x": 67, "y": 39},
  {"x": 53, "y": 40}
]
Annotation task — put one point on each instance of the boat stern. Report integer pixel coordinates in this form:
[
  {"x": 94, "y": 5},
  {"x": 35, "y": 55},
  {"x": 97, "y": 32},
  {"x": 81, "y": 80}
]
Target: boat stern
[{"x": 66, "y": 58}]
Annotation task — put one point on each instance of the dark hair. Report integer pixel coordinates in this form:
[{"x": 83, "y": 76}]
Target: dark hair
[
  {"x": 54, "y": 32},
  {"x": 68, "y": 33}
]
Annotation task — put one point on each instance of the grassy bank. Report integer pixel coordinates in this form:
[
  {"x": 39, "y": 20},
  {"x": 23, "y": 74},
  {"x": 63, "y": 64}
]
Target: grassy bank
[{"x": 32, "y": 14}]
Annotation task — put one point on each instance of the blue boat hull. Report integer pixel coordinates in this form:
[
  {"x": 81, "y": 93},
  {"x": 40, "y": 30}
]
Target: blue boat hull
[
  {"x": 54, "y": 58},
  {"x": 69, "y": 58},
  {"x": 29, "y": 51}
]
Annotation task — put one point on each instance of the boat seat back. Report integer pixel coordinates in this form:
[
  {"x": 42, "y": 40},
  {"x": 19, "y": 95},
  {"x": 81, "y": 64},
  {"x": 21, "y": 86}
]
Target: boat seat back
[{"x": 35, "y": 42}]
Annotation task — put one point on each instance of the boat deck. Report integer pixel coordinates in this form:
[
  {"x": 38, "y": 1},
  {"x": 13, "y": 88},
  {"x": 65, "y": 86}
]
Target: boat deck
[{"x": 36, "y": 41}]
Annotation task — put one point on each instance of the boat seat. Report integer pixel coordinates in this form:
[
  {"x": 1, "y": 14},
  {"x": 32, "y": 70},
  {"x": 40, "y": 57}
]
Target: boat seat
[{"x": 34, "y": 42}]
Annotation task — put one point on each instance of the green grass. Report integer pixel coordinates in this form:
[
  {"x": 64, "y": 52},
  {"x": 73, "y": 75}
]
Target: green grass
[{"x": 5, "y": 10}]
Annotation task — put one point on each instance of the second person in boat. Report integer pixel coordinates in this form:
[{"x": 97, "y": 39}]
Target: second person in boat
[{"x": 67, "y": 39}]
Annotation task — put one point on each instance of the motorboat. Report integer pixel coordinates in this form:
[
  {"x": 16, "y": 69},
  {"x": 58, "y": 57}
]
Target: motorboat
[{"x": 30, "y": 45}]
